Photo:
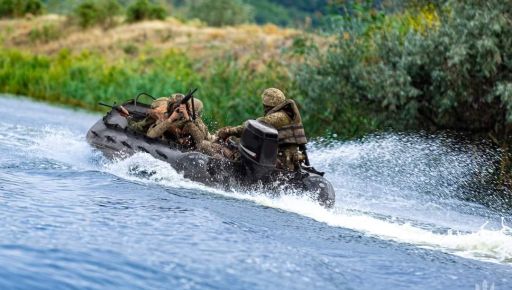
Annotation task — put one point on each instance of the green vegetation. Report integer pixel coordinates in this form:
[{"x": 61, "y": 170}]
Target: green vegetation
[
  {"x": 288, "y": 13},
  {"x": 280, "y": 12},
  {"x": 96, "y": 12},
  {"x": 444, "y": 67},
  {"x": 104, "y": 12},
  {"x": 396, "y": 65},
  {"x": 86, "y": 79},
  {"x": 19, "y": 8},
  {"x": 221, "y": 12},
  {"x": 44, "y": 34},
  {"x": 144, "y": 10}
]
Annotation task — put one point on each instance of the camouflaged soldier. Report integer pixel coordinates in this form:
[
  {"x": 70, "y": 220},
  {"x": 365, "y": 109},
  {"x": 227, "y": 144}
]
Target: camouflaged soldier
[
  {"x": 183, "y": 129},
  {"x": 156, "y": 113},
  {"x": 163, "y": 127},
  {"x": 283, "y": 115}
]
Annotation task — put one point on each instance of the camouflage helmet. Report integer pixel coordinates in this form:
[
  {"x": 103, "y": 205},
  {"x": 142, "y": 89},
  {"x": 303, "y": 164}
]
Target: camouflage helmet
[
  {"x": 176, "y": 98},
  {"x": 198, "y": 106},
  {"x": 159, "y": 102},
  {"x": 272, "y": 97}
]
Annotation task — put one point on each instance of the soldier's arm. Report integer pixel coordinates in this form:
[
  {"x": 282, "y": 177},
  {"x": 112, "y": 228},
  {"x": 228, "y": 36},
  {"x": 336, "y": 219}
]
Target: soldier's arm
[
  {"x": 138, "y": 126},
  {"x": 202, "y": 126},
  {"x": 226, "y": 132},
  {"x": 159, "y": 129},
  {"x": 197, "y": 134}
]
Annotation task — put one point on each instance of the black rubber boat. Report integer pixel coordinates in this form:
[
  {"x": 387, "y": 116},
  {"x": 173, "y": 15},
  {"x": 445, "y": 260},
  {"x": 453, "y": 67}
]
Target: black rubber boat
[{"x": 258, "y": 148}]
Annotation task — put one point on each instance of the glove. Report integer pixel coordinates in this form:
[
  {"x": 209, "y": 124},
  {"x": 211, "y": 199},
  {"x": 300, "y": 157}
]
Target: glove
[
  {"x": 123, "y": 111},
  {"x": 224, "y": 133}
]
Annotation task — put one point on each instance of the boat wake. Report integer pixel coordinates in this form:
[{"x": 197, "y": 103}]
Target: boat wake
[{"x": 396, "y": 188}]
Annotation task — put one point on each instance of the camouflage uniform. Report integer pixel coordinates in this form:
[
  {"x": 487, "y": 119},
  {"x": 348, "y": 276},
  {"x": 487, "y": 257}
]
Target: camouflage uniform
[
  {"x": 192, "y": 132},
  {"x": 142, "y": 126},
  {"x": 283, "y": 115}
]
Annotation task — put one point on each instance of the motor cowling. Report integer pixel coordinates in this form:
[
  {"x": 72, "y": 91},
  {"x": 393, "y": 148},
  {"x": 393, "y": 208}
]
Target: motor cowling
[{"x": 259, "y": 147}]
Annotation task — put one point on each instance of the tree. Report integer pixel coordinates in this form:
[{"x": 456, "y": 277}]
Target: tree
[
  {"x": 456, "y": 75},
  {"x": 96, "y": 12},
  {"x": 20, "y": 8},
  {"x": 144, "y": 10},
  {"x": 221, "y": 12}
]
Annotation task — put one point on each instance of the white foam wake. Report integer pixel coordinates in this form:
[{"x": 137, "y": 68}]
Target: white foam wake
[
  {"x": 66, "y": 147},
  {"x": 482, "y": 244}
]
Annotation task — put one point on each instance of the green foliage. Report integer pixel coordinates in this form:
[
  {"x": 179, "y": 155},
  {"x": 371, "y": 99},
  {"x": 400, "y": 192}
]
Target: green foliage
[
  {"x": 130, "y": 49},
  {"x": 266, "y": 11},
  {"x": 97, "y": 12},
  {"x": 19, "y": 8},
  {"x": 144, "y": 10},
  {"x": 280, "y": 12},
  {"x": 87, "y": 13},
  {"x": 290, "y": 12},
  {"x": 84, "y": 80},
  {"x": 455, "y": 75},
  {"x": 331, "y": 86},
  {"x": 59, "y": 6},
  {"x": 221, "y": 12},
  {"x": 44, "y": 34}
]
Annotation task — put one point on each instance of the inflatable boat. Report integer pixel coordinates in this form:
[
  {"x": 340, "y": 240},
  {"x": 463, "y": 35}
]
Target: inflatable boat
[{"x": 256, "y": 167}]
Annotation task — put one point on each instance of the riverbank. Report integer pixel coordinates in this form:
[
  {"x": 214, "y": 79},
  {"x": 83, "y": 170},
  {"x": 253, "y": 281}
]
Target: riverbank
[{"x": 50, "y": 60}]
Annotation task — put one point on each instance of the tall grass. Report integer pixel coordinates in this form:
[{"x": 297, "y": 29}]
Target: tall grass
[{"x": 228, "y": 89}]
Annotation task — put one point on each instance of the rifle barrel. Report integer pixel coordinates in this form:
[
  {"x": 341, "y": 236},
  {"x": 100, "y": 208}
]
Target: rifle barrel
[
  {"x": 188, "y": 96},
  {"x": 105, "y": 105}
]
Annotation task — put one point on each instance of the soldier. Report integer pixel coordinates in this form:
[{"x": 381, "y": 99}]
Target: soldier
[
  {"x": 283, "y": 115},
  {"x": 183, "y": 129},
  {"x": 157, "y": 112},
  {"x": 165, "y": 125},
  {"x": 179, "y": 124}
]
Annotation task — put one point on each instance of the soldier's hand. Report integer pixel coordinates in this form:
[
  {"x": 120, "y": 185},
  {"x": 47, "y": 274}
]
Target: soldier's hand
[
  {"x": 183, "y": 110},
  {"x": 223, "y": 133},
  {"x": 174, "y": 116},
  {"x": 123, "y": 111}
]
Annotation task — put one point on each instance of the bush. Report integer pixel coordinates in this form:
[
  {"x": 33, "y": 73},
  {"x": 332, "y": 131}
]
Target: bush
[
  {"x": 87, "y": 14},
  {"x": 85, "y": 79},
  {"x": 44, "y": 34},
  {"x": 96, "y": 12},
  {"x": 221, "y": 12},
  {"x": 144, "y": 10},
  {"x": 453, "y": 74},
  {"x": 20, "y": 8}
]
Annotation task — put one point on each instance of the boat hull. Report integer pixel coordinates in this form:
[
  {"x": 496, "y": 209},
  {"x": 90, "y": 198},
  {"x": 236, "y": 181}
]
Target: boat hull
[{"x": 111, "y": 136}]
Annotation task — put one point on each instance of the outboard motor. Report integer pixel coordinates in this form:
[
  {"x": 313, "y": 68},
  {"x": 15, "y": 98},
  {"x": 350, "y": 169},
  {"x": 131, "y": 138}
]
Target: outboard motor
[{"x": 258, "y": 148}]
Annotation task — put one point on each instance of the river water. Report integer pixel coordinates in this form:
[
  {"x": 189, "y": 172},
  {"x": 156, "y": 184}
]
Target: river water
[{"x": 74, "y": 220}]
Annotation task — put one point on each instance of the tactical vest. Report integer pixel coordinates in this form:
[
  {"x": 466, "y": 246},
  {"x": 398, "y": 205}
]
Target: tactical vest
[{"x": 292, "y": 134}]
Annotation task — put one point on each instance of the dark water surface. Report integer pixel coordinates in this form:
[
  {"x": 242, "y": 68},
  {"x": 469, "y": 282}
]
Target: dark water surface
[{"x": 72, "y": 220}]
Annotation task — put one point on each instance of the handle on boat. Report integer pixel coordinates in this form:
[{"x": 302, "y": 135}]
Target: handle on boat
[{"x": 143, "y": 94}]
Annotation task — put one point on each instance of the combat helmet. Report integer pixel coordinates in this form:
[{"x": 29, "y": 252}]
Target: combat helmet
[
  {"x": 159, "y": 102},
  {"x": 177, "y": 98},
  {"x": 273, "y": 97},
  {"x": 198, "y": 106}
]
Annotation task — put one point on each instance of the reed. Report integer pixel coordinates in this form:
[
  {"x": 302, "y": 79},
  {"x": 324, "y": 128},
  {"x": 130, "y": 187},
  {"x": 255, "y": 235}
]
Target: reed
[{"x": 229, "y": 89}]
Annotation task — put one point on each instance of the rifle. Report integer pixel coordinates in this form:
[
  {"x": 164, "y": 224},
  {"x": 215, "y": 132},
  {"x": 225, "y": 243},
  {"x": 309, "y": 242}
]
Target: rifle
[
  {"x": 190, "y": 95},
  {"x": 307, "y": 166},
  {"x": 123, "y": 111}
]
